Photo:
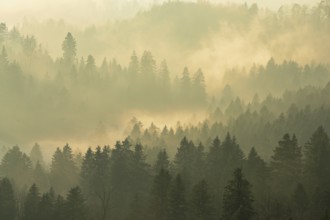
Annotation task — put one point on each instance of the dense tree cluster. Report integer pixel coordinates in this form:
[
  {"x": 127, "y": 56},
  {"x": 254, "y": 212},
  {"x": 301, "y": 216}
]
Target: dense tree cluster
[
  {"x": 258, "y": 123},
  {"x": 212, "y": 182}
]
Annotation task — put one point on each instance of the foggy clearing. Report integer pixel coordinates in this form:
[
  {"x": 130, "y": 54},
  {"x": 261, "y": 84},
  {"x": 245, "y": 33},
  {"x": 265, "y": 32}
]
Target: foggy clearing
[{"x": 164, "y": 110}]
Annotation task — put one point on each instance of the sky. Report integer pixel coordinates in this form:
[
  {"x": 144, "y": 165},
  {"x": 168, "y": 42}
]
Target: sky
[{"x": 94, "y": 11}]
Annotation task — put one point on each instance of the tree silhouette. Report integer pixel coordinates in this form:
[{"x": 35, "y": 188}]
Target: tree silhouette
[{"x": 237, "y": 199}]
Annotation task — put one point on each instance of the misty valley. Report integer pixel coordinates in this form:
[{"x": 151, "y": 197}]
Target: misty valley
[{"x": 177, "y": 110}]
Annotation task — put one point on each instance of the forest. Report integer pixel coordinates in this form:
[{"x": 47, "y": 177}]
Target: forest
[{"x": 180, "y": 110}]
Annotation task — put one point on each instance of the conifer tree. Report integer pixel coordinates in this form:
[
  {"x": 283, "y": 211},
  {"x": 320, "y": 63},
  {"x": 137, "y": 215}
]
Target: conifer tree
[
  {"x": 8, "y": 208},
  {"x": 69, "y": 49},
  {"x": 31, "y": 204},
  {"x": 202, "y": 207},
  {"x": 286, "y": 164},
  {"x": 159, "y": 198},
  {"x": 75, "y": 207},
  {"x": 162, "y": 161},
  {"x": 177, "y": 200},
  {"x": 317, "y": 157},
  {"x": 238, "y": 199},
  {"x": 300, "y": 202}
]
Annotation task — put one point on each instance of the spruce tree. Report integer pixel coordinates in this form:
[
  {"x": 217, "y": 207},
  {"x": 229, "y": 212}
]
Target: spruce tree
[
  {"x": 201, "y": 204},
  {"x": 238, "y": 199},
  {"x": 69, "y": 47},
  {"x": 162, "y": 161},
  {"x": 317, "y": 157},
  {"x": 31, "y": 204},
  {"x": 286, "y": 164},
  {"x": 177, "y": 200},
  {"x": 75, "y": 207},
  {"x": 159, "y": 203},
  {"x": 300, "y": 202},
  {"x": 8, "y": 208}
]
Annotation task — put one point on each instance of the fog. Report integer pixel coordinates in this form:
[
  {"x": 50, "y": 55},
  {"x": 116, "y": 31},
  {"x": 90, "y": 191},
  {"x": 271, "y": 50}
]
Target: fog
[
  {"x": 164, "y": 109},
  {"x": 226, "y": 39}
]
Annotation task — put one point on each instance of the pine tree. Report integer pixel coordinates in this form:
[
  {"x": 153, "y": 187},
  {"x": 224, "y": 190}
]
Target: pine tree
[
  {"x": 185, "y": 160},
  {"x": 136, "y": 211},
  {"x": 286, "y": 164},
  {"x": 36, "y": 155},
  {"x": 257, "y": 173},
  {"x": 177, "y": 200},
  {"x": 63, "y": 171},
  {"x": 140, "y": 172},
  {"x": 121, "y": 179},
  {"x": 17, "y": 166},
  {"x": 47, "y": 206},
  {"x": 159, "y": 204},
  {"x": 8, "y": 209},
  {"x": 60, "y": 210},
  {"x": 75, "y": 205},
  {"x": 202, "y": 207},
  {"x": 69, "y": 49},
  {"x": 40, "y": 177},
  {"x": 237, "y": 199},
  {"x": 214, "y": 162},
  {"x": 31, "y": 204},
  {"x": 300, "y": 202},
  {"x": 162, "y": 161},
  {"x": 317, "y": 157}
]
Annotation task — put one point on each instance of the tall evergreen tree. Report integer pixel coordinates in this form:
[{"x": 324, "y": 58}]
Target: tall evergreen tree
[
  {"x": 257, "y": 173},
  {"x": 69, "y": 47},
  {"x": 8, "y": 208},
  {"x": 47, "y": 206},
  {"x": 40, "y": 177},
  {"x": 63, "y": 171},
  {"x": 286, "y": 164},
  {"x": 31, "y": 204},
  {"x": 300, "y": 202},
  {"x": 17, "y": 166},
  {"x": 36, "y": 155},
  {"x": 202, "y": 207},
  {"x": 159, "y": 198},
  {"x": 75, "y": 205},
  {"x": 162, "y": 161},
  {"x": 238, "y": 199},
  {"x": 317, "y": 157},
  {"x": 177, "y": 200}
]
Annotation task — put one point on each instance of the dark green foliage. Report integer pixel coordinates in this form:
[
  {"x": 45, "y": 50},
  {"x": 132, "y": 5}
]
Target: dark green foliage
[
  {"x": 162, "y": 161},
  {"x": 257, "y": 173},
  {"x": 237, "y": 199},
  {"x": 300, "y": 202},
  {"x": 95, "y": 179},
  {"x": 17, "y": 166},
  {"x": 8, "y": 208},
  {"x": 63, "y": 171},
  {"x": 41, "y": 177},
  {"x": 159, "y": 201},
  {"x": 184, "y": 160},
  {"x": 177, "y": 200},
  {"x": 202, "y": 207},
  {"x": 286, "y": 164},
  {"x": 31, "y": 204},
  {"x": 317, "y": 157},
  {"x": 75, "y": 207},
  {"x": 47, "y": 206}
]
